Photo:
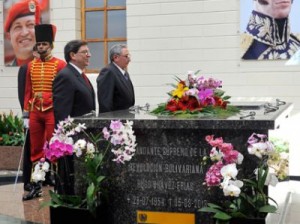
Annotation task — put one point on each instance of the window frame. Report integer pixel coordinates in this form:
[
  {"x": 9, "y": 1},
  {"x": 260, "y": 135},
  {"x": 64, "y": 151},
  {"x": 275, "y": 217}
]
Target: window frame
[{"x": 104, "y": 40}]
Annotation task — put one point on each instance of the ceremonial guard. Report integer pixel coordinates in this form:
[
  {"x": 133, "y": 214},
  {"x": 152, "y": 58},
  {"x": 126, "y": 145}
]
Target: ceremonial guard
[{"x": 38, "y": 102}]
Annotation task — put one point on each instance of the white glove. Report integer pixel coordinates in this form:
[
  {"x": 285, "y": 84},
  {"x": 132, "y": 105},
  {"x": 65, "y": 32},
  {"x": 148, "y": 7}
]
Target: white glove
[{"x": 26, "y": 123}]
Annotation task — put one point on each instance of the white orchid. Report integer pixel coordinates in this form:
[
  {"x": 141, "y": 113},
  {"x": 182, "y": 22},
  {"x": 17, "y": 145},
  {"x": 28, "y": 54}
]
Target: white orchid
[
  {"x": 39, "y": 172},
  {"x": 232, "y": 190},
  {"x": 90, "y": 148},
  {"x": 229, "y": 170}
]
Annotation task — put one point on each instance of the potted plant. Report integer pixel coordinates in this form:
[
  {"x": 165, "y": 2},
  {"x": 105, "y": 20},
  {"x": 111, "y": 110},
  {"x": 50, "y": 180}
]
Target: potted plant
[
  {"x": 11, "y": 130},
  {"x": 95, "y": 151},
  {"x": 11, "y": 140},
  {"x": 245, "y": 200}
]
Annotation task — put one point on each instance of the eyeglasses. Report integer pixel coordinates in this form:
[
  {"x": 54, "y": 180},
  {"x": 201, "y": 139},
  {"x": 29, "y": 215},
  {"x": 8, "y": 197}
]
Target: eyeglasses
[
  {"x": 87, "y": 53},
  {"x": 41, "y": 43},
  {"x": 126, "y": 56}
]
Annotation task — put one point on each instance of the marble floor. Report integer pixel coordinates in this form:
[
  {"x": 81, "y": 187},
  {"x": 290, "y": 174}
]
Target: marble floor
[{"x": 14, "y": 211}]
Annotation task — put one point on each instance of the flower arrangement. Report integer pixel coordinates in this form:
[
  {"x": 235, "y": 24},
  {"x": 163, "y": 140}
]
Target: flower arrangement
[
  {"x": 11, "y": 130},
  {"x": 119, "y": 139},
  {"x": 245, "y": 198},
  {"x": 196, "y": 95}
]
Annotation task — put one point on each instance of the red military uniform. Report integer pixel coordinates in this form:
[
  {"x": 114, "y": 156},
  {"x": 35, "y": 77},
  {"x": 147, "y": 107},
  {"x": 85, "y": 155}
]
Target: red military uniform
[
  {"x": 38, "y": 101},
  {"x": 38, "y": 90}
]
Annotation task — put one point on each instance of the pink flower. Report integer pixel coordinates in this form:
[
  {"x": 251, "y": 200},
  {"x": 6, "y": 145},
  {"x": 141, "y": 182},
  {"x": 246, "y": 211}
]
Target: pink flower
[
  {"x": 225, "y": 147},
  {"x": 115, "y": 125},
  {"x": 231, "y": 156},
  {"x": 57, "y": 149},
  {"x": 106, "y": 133},
  {"x": 206, "y": 95},
  {"x": 213, "y": 176},
  {"x": 214, "y": 142}
]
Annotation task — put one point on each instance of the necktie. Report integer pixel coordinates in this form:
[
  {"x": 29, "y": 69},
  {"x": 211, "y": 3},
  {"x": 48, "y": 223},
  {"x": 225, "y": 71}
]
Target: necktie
[
  {"x": 86, "y": 80},
  {"x": 126, "y": 76}
]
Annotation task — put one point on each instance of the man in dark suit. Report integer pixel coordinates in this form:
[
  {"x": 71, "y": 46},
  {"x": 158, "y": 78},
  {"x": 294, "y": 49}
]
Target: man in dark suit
[
  {"x": 115, "y": 89},
  {"x": 73, "y": 95}
]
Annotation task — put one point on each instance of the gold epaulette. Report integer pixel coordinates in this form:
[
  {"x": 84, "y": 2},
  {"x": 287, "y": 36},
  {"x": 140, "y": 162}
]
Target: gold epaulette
[{"x": 246, "y": 41}]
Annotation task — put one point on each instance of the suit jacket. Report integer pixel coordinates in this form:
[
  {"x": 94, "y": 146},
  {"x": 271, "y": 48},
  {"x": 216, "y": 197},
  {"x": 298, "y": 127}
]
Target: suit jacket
[
  {"x": 114, "y": 91},
  {"x": 21, "y": 84},
  {"x": 71, "y": 94}
]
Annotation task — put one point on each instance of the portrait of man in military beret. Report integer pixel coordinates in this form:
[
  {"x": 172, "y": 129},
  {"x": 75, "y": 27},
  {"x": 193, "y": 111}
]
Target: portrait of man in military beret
[{"x": 20, "y": 17}]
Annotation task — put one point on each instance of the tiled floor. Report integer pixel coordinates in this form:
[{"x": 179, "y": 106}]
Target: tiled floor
[
  {"x": 11, "y": 205},
  {"x": 14, "y": 211}
]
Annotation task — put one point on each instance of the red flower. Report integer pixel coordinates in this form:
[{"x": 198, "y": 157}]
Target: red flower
[
  {"x": 172, "y": 105},
  {"x": 220, "y": 102},
  {"x": 193, "y": 104}
]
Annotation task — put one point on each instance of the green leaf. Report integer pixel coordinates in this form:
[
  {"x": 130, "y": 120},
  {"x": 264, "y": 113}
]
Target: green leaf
[
  {"x": 100, "y": 179},
  {"x": 222, "y": 215},
  {"x": 209, "y": 209},
  {"x": 64, "y": 200},
  {"x": 268, "y": 209},
  {"x": 212, "y": 205}
]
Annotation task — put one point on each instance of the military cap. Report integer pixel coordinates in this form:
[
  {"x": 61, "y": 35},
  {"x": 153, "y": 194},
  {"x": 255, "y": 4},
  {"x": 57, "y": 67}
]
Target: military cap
[
  {"x": 21, "y": 9},
  {"x": 45, "y": 33}
]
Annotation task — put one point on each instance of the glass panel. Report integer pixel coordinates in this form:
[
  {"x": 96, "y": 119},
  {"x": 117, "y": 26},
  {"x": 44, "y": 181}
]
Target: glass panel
[
  {"x": 109, "y": 45},
  {"x": 94, "y": 3},
  {"x": 97, "y": 59},
  {"x": 94, "y": 24},
  {"x": 116, "y": 23},
  {"x": 116, "y": 3}
]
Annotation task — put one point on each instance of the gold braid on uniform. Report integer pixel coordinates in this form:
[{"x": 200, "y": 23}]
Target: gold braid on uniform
[{"x": 42, "y": 76}]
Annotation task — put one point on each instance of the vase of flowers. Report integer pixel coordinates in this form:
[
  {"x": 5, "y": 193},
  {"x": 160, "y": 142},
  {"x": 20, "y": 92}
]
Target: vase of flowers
[
  {"x": 94, "y": 151},
  {"x": 245, "y": 199},
  {"x": 197, "y": 96}
]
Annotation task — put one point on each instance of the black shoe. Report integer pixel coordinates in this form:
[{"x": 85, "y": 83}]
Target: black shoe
[
  {"x": 34, "y": 193},
  {"x": 49, "y": 182},
  {"x": 28, "y": 187}
]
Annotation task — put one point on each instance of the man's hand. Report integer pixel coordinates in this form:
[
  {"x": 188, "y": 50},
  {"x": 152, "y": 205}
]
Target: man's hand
[{"x": 26, "y": 123}]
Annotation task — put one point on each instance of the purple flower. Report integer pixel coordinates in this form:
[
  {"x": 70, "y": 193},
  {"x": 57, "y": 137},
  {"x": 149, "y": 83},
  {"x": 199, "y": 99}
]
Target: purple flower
[
  {"x": 205, "y": 94},
  {"x": 115, "y": 125},
  {"x": 106, "y": 133}
]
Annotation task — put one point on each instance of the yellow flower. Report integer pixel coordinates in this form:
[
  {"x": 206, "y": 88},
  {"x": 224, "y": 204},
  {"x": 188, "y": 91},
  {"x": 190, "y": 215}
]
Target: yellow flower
[{"x": 181, "y": 89}]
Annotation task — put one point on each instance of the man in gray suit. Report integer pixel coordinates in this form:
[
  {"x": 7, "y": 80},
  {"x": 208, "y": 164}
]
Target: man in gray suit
[{"x": 115, "y": 89}]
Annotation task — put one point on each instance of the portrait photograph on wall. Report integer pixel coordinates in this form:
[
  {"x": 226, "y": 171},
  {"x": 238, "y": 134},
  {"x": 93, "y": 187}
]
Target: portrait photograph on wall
[
  {"x": 20, "y": 17},
  {"x": 270, "y": 29}
]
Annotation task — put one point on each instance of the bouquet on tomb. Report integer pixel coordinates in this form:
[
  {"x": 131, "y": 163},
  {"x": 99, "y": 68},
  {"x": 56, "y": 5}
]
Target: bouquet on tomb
[
  {"x": 196, "y": 95},
  {"x": 243, "y": 197}
]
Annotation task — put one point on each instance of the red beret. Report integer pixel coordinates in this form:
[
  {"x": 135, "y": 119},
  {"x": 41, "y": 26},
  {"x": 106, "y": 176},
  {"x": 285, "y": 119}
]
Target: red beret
[{"x": 21, "y": 9}]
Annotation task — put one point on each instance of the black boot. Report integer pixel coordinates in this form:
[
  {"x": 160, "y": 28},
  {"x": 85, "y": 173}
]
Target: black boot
[
  {"x": 28, "y": 186},
  {"x": 34, "y": 193}
]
